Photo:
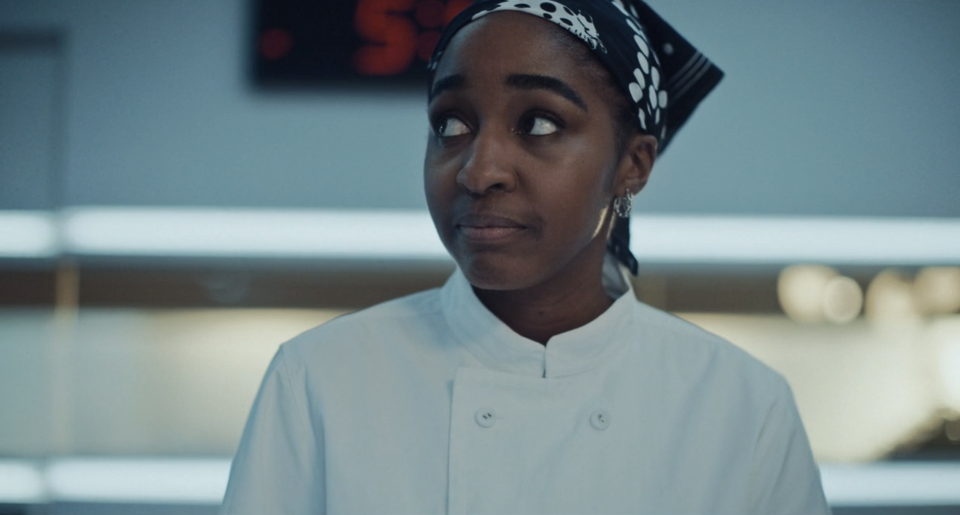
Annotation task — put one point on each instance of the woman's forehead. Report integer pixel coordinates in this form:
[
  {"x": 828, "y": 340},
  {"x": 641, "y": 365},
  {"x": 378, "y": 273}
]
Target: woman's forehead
[{"x": 510, "y": 43}]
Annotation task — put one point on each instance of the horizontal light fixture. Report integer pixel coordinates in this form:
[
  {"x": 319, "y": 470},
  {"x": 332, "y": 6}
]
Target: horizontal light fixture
[
  {"x": 28, "y": 234},
  {"x": 21, "y": 482},
  {"x": 154, "y": 481},
  {"x": 251, "y": 233},
  {"x": 893, "y": 483},
  {"x": 409, "y": 234},
  {"x": 203, "y": 482},
  {"x": 783, "y": 240}
]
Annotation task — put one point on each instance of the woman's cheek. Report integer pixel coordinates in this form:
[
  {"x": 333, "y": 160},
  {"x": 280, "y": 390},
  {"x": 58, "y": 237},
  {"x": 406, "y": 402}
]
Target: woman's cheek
[
  {"x": 440, "y": 188},
  {"x": 439, "y": 182}
]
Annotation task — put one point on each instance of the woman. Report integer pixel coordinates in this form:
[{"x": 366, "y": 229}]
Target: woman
[{"x": 533, "y": 381}]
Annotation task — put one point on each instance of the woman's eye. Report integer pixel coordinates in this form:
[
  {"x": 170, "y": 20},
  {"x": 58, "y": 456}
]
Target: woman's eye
[
  {"x": 450, "y": 127},
  {"x": 538, "y": 126}
]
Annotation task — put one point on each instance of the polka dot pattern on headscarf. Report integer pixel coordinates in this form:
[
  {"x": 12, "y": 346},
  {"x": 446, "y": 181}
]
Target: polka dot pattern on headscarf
[{"x": 578, "y": 24}]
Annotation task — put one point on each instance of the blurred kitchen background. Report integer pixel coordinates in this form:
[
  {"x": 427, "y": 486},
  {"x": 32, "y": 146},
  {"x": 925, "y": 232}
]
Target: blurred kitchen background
[{"x": 185, "y": 184}]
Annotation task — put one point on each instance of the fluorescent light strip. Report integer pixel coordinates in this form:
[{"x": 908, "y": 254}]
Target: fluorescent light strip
[
  {"x": 21, "y": 482},
  {"x": 252, "y": 233},
  {"x": 860, "y": 241},
  {"x": 892, "y": 484},
  {"x": 203, "y": 481},
  {"x": 399, "y": 234},
  {"x": 28, "y": 234},
  {"x": 162, "y": 481}
]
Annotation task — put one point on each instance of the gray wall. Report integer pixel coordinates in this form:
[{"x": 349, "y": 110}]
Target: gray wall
[{"x": 828, "y": 108}]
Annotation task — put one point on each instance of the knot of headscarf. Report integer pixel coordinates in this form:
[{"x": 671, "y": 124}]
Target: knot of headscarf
[{"x": 659, "y": 71}]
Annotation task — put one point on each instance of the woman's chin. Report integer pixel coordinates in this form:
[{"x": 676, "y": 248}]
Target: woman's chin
[{"x": 488, "y": 273}]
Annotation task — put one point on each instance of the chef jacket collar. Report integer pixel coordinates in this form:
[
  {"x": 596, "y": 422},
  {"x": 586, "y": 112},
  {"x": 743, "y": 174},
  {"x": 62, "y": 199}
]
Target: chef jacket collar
[{"x": 498, "y": 347}]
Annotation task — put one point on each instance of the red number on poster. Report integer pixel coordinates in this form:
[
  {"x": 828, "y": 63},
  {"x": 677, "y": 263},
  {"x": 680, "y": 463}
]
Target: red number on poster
[{"x": 392, "y": 36}]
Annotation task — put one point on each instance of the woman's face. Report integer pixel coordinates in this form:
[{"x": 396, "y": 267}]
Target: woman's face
[{"x": 521, "y": 165}]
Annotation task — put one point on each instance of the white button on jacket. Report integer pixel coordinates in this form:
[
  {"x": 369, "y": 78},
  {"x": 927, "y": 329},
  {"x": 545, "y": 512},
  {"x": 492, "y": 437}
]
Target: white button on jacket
[
  {"x": 486, "y": 417},
  {"x": 600, "y": 419},
  {"x": 430, "y": 404}
]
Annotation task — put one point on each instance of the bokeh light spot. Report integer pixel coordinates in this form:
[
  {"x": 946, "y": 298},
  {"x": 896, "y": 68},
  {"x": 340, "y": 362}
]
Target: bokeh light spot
[
  {"x": 937, "y": 289},
  {"x": 842, "y": 299}
]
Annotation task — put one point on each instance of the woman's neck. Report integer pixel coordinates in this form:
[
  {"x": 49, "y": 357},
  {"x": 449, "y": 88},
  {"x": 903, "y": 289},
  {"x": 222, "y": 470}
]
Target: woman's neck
[{"x": 544, "y": 311}]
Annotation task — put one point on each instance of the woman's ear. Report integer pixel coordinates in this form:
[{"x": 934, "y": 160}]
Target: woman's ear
[{"x": 639, "y": 154}]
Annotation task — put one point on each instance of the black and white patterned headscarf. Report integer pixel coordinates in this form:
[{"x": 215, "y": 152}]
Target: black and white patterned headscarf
[{"x": 663, "y": 75}]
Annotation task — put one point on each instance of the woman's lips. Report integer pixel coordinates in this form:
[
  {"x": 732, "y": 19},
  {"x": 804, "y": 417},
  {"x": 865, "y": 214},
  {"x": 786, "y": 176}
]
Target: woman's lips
[
  {"x": 488, "y": 228},
  {"x": 488, "y": 233}
]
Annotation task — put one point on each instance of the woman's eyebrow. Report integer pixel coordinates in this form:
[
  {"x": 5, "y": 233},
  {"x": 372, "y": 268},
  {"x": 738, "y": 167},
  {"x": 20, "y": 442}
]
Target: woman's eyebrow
[
  {"x": 522, "y": 81},
  {"x": 446, "y": 83}
]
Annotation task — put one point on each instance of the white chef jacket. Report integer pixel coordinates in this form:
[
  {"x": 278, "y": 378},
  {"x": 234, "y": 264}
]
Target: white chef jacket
[{"x": 430, "y": 404}]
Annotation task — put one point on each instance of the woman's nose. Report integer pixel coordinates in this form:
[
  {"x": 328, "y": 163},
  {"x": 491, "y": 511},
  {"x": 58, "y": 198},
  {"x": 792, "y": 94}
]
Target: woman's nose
[{"x": 489, "y": 166}]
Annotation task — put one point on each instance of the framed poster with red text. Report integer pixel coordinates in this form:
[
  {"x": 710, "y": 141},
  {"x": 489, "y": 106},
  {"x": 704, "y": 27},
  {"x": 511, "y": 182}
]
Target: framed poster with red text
[{"x": 316, "y": 43}]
